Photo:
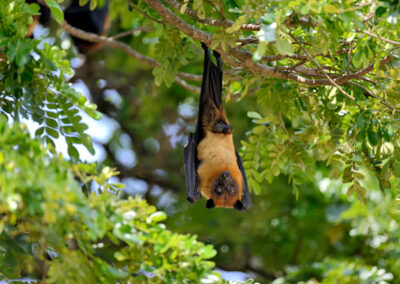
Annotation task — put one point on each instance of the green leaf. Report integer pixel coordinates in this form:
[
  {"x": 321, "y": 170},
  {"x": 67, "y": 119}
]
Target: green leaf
[
  {"x": 253, "y": 114},
  {"x": 56, "y": 10},
  {"x": 268, "y": 18},
  {"x": 373, "y": 137},
  {"x": 183, "y": 7},
  {"x": 208, "y": 252},
  {"x": 157, "y": 217},
  {"x": 330, "y": 9},
  {"x": 39, "y": 131},
  {"x": 93, "y": 4},
  {"x": 52, "y": 132},
  {"x": 72, "y": 152},
  {"x": 260, "y": 51},
  {"x": 284, "y": 47}
]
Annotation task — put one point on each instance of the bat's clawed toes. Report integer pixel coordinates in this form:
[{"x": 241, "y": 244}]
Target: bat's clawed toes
[
  {"x": 238, "y": 205},
  {"x": 210, "y": 204}
]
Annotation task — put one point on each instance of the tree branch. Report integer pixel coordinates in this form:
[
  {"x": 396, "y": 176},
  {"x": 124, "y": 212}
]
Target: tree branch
[
  {"x": 130, "y": 32},
  {"x": 379, "y": 37},
  {"x": 133, "y": 6},
  {"x": 323, "y": 72},
  {"x": 369, "y": 93},
  {"x": 235, "y": 56},
  {"x": 244, "y": 57},
  {"x": 92, "y": 37},
  {"x": 187, "y": 86}
]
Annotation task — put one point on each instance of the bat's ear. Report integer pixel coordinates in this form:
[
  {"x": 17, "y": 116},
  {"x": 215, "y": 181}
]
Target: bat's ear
[
  {"x": 210, "y": 204},
  {"x": 239, "y": 205}
]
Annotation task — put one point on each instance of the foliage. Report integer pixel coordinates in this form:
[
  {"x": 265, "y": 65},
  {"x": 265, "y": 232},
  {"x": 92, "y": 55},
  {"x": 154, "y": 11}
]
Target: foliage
[
  {"x": 33, "y": 81},
  {"x": 49, "y": 224}
]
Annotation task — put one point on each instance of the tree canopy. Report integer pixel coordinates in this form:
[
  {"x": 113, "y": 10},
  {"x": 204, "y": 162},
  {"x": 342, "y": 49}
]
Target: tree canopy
[{"x": 311, "y": 88}]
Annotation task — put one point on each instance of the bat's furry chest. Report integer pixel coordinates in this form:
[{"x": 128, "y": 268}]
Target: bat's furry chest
[
  {"x": 216, "y": 153},
  {"x": 216, "y": 149}
]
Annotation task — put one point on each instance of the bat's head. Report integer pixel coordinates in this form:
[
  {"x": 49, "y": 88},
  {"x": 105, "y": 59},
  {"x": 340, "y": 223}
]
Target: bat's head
[{"x": 225, "y": 192}]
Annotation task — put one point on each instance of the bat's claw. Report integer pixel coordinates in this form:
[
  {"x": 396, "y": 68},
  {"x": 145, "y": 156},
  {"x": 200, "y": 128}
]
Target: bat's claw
[
  {"x": 210, "y": 204},
  {"x": 238, "y": 205}
]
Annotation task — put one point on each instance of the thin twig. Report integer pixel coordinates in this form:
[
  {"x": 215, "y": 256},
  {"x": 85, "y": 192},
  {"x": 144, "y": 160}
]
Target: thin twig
[
  {"x": 349, "y": 58},
  {"x": 212, "y": 5},
  {"x": 130, "y": 32},
  {"x": 322, "y": 70},
  {"x": 133, "y": 6},
  {"x": 221, "y": 7},
  {"x": 379, "y": 37},
  {"x": 371, "y": 94},
  {"x": 282, "y": 123},
  {"x": 187, "y": 86}
]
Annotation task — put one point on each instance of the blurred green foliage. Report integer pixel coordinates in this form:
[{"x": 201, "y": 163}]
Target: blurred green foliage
[{"x": 50, "y": 229}]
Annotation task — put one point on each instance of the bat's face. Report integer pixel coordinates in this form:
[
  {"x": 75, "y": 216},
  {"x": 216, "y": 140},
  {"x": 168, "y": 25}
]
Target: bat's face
[{"x": 225, "y": 192}]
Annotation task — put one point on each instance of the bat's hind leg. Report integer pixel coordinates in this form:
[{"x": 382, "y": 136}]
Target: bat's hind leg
[{"x": 222, "y": 127}]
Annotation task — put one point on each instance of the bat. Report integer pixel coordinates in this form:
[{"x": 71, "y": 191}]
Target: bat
[
  {"x": 43, "y": 18},
  {"x": 213, "y": 167},
  {"x": 93, "y": 21}
]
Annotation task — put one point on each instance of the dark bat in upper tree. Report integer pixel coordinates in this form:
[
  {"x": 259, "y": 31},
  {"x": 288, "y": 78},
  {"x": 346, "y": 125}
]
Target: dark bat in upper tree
[
  {"x": 93, "y": 21},
  {"x": 213, "y": 168}
]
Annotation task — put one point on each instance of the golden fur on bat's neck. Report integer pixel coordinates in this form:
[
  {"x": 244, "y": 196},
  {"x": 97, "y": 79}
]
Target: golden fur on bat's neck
[{"x": 216, "y": 152}]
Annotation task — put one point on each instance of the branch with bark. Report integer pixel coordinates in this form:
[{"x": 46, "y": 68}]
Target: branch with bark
[
  {"x": 235, "y": 56},
  {"x": 111, "y": 42},
  {"x": 243, "y": 58}
]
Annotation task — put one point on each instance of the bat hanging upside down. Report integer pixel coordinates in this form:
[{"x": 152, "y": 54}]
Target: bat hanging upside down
[{"x": 213, "y": 168}]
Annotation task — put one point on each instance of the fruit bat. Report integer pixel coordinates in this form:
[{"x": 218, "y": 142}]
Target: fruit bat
[
  {"x": 93, "y": 21},
  {"x": 213, "y": 168}
]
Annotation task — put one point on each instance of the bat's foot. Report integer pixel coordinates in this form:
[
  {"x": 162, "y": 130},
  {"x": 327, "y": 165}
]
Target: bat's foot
[
  {"x": 222, "y": 127},
  {"x": 238, "y": 205},
  {"x": 210, "y": 204}
]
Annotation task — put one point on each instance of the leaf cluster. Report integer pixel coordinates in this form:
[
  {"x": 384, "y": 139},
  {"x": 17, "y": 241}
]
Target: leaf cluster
[{"x": 49, "y": 225}]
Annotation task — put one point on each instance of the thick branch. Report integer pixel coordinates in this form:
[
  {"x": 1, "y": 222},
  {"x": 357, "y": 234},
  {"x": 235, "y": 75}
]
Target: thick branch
[
  {"x": 92, "y": 37},
  {"x": 235, "y": 57},
  {"x": 130, "y": 51}
]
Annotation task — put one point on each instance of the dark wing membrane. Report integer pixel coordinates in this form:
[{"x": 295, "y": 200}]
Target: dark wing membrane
[
  {"x": 212, "y": 78},
  {"x": 246, "y": 199},
  {"x": 189, "y": 161}
]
